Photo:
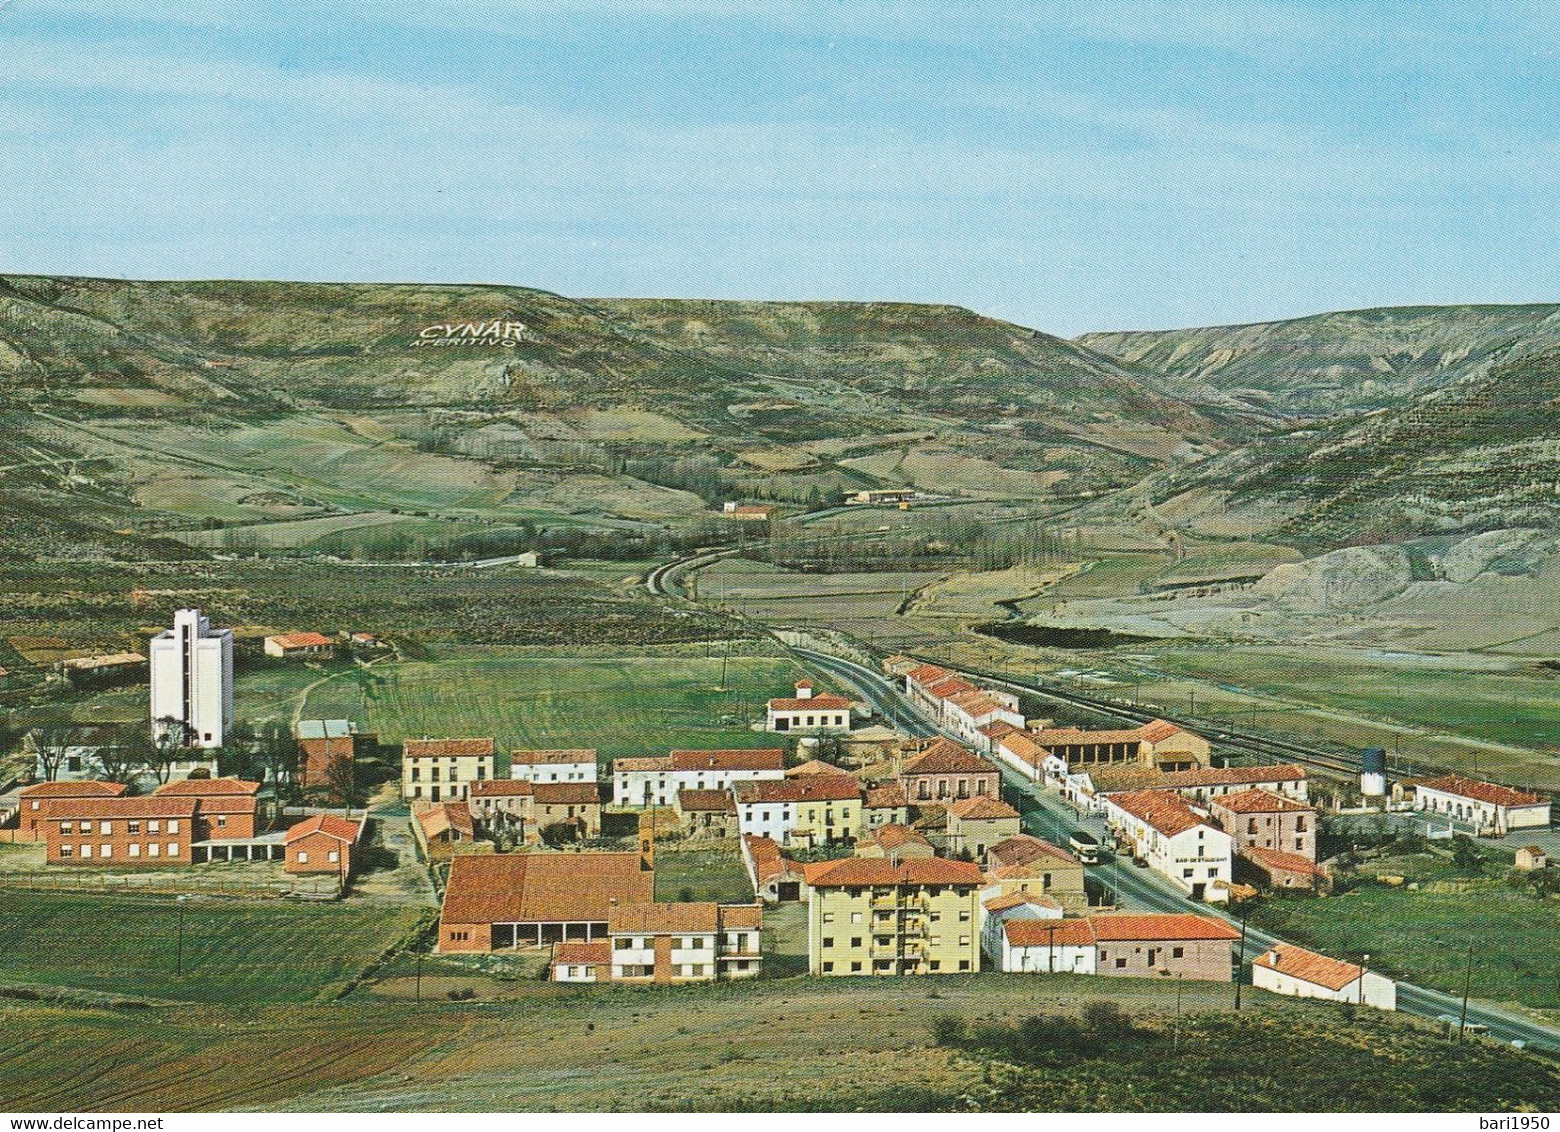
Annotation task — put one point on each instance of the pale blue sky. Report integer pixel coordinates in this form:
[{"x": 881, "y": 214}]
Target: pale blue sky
[{"x": 1071, "y": 166}]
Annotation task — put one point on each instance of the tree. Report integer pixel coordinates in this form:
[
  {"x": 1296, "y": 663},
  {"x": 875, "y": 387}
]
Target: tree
[
  {"x": 130, "y": 753},
  {"x": 341, "y": 779},
  {"x": 53, "y": 743},
  {"x": 169, "y": 744},
  {"x": 1466, "y": 855},
  {"x": 276, "y": 754}
]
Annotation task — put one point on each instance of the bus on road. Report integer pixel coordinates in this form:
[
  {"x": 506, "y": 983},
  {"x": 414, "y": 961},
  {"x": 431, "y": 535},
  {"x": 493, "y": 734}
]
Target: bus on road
[{"x": 1084, "y": 847}]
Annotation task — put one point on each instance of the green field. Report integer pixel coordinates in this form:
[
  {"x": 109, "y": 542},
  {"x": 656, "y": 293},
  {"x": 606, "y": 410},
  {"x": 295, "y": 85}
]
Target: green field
[
  {"x": 620, "y": 704},
  {"x": 233, "y": 953},
  {"x": 704, "y": 874},
  {"x": 1518, "y": 707},
  {"x": 1425, "y": 935}
]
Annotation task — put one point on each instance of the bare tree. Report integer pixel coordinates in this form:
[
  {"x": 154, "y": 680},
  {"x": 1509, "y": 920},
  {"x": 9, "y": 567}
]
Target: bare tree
[
  {"x": 168, "y": 746},
  {"x": 128, "y": 754},
  {"x": 53, "y": 743},
  {"x": 341, "y": 776}
]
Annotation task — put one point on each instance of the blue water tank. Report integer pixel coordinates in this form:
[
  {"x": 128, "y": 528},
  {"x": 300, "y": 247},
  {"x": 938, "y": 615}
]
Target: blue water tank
[{"x": 1373, "y": 760}]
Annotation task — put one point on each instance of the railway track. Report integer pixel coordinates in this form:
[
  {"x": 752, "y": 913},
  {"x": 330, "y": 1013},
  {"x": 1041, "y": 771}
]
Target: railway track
[{"x": 1332, "y": 763}]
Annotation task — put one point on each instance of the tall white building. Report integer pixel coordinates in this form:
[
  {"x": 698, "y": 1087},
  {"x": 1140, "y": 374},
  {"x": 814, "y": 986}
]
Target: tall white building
[{"x": 192, "y": 679}]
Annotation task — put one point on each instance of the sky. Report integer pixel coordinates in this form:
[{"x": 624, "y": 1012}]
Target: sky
[{"x": 1069, "y": 166}]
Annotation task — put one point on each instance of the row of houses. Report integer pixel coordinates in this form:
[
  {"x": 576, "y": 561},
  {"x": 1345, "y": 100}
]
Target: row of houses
[
  {"x": 189, "y": 822},
  {"x": 599, "y": 914}
]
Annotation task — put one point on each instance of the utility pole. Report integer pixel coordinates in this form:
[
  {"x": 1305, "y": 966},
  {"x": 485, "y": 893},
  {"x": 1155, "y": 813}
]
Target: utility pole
[
  {"x": 419, "y": 975},
  {"x": 178, "y": 953},
  {"x": 1462, "y": 1022},
  {"x": 1240, "y": 955}
]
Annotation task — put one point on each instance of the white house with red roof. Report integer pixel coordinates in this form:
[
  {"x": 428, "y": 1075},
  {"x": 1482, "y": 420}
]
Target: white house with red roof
[
  {"x": 657, "y": 780},
  {"x": 1487, "y": 806},
  {"x": 288, "y": 645},
  {"x": 442, "y": 770},
  {"x": 1177, "y": 841},
  {"x": 553, "y": 766},
  {"x": 999, "y": 907},
  {"x": 809, "y": 711},
  {"x": 1287, "y": 969},
  {"x": 1149, "y": 945},
  {"x": 969, "y": 712}
]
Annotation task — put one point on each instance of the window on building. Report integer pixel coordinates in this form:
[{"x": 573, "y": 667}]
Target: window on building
[
  {"x": 1178, "y": 953},
  {"x": 105, "y": 850},
  {"x": 173, "y": 848},
  {"x": 154, "y": 827},
  {"x": 66, "y": 850},
  {"x": 154, "y": 849},
  {"x": 855, "y": 917},
  {"x": 221, "y": 821},
  {"x": 828, "y": 917},
  {"x": 964, "y": 916},
  {"x": 303, "y": 856},
  {"x": 173, "y": 825},
  {"x": 86, "y": 850},
  {"x": 135, "y": 849},
  {"x": 1121, "y": 964},
  {"x": 855, "y": 966},
  {"x": 828, "y": 941}
]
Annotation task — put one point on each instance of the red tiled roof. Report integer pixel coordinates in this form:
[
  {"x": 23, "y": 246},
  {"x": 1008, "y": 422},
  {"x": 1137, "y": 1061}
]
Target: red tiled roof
[
  {"x": 1309, "y": 966},
  {"x": 1014, "y": 899},
  {"x": 543, "y": 887},
  {"x": 1126, "y": 927},
  {"x": 1158, "y": 730},
  {"x": 706, "y": 801},
  {"x": 824, "y": 702},
  {"x": 567, "y": 794},
  {"x": 926, "y": 673},
  {"x": 1270, "y": 859},
  {"x": 879, "y": 870},
  {"x": 300, "y": 640},
  {"x": 501, "y": 788},
  {"x": 1024, "y": 848},
  {"x": 1488, "y": 792},
  {"x": 815, "y": 788},
  {"x": 949, "y": 687},
  {"x": 755, "y": 758},
  {"x": 814, "y": 767},
  {"x": 1165, "y": 810},
  {"x": 1000, "y": 729},
  {"x": 147, "y": 806},
  {"x": 208, "y": 787},
  {"x": 893, "y": 836},
  {"x": 741, "y": 916},
  {"x": 442, "y": 817},
  {"x": 768, "y": 861},
  {"x": 329, "y": 824},
  {"x": 439, "y": 748},
  {"x": 547, "y": 758},
  {"x": 1256, "y": 801},
  {"x": 889, "y": 796},
  {"x": 981, "y": 808},
  {"x": 947, "y": 757},
  {"x": 663, "y": 919},
  {"x": 86, "y": 788},
  {"x": 1049, "y": 933},
  {"x": 596, "y": 953}
]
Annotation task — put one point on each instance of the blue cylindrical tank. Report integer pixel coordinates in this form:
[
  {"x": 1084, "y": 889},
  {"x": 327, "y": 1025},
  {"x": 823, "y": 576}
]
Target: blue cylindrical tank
[{"x": 1373, "y": 760}]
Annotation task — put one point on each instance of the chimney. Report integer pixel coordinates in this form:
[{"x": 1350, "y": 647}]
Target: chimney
[{"x": 804, "y": 689}]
